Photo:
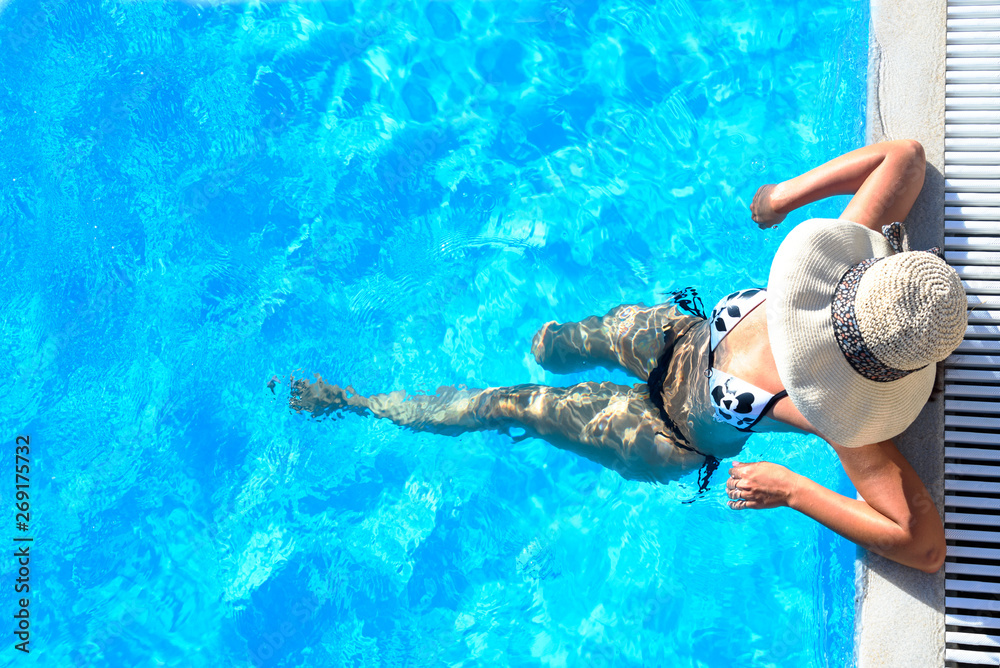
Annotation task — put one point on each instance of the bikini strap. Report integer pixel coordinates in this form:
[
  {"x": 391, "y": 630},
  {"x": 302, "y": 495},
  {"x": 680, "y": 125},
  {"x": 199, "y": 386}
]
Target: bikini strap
[{"x": 775, "y": 398}]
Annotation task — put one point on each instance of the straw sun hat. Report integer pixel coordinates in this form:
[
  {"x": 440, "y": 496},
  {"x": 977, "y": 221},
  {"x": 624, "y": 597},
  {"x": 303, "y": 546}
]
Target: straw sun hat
[{"x": 856, "y": 328}]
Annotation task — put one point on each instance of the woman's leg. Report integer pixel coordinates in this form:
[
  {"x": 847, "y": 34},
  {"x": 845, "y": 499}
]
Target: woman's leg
[
  {"x": 629, "y": 336},
  {"x": 613, "y": 425},
  {"x": 884, "y": 178}
]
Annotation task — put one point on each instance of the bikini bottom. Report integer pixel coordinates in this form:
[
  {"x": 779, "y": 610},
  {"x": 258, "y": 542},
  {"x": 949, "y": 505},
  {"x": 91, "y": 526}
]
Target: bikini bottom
[{"x": 685, "y": 300}]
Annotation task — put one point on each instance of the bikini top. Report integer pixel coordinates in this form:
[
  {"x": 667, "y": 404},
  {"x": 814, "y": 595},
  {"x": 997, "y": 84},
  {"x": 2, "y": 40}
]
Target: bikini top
[{"x": 734, "y": 400}]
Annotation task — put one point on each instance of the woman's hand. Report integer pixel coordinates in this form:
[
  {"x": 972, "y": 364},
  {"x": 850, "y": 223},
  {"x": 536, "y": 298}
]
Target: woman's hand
[
  {"x": 896, "y": 516},
  {"x": 759, "y": 485},
  {"x": 762, "y": 208}
]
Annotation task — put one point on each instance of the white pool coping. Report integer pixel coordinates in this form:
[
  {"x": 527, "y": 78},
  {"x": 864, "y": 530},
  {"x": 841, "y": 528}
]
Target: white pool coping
[{"x": 900, "y": 611}]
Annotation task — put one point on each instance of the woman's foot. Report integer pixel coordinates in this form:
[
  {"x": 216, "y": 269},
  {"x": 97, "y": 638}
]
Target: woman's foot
[
  {"x": 320, "y": 398},
  {"x": 762, "y": 208}
]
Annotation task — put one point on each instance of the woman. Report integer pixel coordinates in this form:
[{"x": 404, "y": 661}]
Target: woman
[{"x": 844, "y": 348}]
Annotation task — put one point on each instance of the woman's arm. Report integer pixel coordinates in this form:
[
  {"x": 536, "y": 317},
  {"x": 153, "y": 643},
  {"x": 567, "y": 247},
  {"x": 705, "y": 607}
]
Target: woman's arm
[
  {"x": 884, "y": 178},
  {"x": 897, "y": 518}
]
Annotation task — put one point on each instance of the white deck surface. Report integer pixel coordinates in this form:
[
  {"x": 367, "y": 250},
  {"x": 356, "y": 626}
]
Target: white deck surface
[{"x": 900, "y": 611}]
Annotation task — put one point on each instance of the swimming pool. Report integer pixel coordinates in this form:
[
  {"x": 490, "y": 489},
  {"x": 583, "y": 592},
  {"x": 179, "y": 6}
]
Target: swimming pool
[{"x": 394, "y": 195}]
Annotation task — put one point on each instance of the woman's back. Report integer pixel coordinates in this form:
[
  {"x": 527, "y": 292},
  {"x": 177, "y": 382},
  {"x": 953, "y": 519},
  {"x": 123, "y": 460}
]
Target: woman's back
[
  {"x": 687, "y": 400},
  {"x": 746, "y": 353}
]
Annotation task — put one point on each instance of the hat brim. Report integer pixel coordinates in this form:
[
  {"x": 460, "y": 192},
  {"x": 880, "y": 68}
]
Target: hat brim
[{"x": 844, "y": 406}]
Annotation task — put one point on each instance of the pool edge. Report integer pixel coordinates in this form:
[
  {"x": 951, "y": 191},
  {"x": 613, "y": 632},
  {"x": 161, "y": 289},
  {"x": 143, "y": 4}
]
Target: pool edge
[{"x": 900, "y": 611}]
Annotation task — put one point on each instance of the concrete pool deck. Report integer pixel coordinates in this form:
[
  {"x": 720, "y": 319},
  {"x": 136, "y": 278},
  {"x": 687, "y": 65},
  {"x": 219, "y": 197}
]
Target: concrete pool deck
[{"x": 900, "y": 611}]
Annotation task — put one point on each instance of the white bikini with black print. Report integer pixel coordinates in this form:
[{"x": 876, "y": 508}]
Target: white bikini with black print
[{"x": 734, "y": 400}]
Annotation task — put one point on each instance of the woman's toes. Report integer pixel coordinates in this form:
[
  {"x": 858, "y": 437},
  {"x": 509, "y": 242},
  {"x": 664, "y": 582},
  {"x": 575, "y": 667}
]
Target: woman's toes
[
  {"x": 295, "y": 394},
  {"x": 318, "y": 398}
]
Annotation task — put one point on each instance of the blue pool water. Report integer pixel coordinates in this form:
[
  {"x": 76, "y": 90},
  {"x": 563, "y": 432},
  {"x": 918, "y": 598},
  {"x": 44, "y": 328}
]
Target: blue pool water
[{"x": 395, "y": 195}]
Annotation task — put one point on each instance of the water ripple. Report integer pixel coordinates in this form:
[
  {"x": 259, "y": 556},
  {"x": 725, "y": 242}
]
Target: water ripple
[{"x": 396, "y": 197}]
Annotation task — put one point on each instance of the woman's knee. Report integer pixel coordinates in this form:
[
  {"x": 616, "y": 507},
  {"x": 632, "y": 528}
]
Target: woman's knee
[
  {"x": 910, "y": 152},
  {"x": 913, "y": 148},
  {"x": 556, "y": 346},
  {"x": 541, "y": 342}
]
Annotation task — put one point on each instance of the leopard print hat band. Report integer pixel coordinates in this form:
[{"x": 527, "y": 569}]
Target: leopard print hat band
[
  {"x": 848, "y": 334},
  {"x": 893, "y": 316}
]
